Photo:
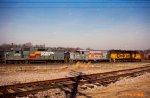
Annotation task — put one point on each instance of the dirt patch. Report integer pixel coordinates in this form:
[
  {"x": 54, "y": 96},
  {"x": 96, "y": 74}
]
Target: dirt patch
[
  {"x": 29, "y": 73},
  {"x": 137, "y": 87},
  {"x": 129, "y": 87}
]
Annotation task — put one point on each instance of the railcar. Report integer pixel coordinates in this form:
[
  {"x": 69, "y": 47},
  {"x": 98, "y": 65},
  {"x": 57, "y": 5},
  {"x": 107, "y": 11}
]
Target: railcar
[
  {"x": 33, "y": 55},
  {"x": 89, "y": 55},
  {"x": 2, "y": 59},
  {"x": 47, "y": 55},
  {"x": 124, "y": 55},
  {"x": 146, "y": 56}
]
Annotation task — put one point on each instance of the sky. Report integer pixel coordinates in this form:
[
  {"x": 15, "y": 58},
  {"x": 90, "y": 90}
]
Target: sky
[{"x": 96, "y": 24}]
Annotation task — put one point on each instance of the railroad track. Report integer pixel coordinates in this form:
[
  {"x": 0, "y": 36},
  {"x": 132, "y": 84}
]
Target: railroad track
[{"x": 76, "y": 79}]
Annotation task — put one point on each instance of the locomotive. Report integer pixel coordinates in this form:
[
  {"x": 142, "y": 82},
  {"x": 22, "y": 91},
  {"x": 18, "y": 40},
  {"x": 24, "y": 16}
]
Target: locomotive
[{"x": 47, "y": 55}]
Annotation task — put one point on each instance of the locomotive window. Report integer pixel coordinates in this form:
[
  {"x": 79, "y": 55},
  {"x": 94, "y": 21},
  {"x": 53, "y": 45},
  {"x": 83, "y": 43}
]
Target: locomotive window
[
  {"x": 26, "y": 49},
  {"x": 82, "y": 52},
  {"x": 41, "y": 49},
  {"x": 148, "y": 56},
  {"x": 77, "y": 52},
  {"x": 17, "y": 51}
]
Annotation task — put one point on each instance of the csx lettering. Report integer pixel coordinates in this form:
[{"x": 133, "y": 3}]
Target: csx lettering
[
  {"x": 123, "y": 56},
  {"x": 120, "y": 55}
]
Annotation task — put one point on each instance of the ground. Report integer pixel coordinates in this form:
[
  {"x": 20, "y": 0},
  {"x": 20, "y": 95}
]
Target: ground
[{"x": 135, "y": 87}]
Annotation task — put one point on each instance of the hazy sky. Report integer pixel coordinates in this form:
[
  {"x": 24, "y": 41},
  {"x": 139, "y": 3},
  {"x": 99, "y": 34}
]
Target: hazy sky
[{"x": 97, "y": 24}]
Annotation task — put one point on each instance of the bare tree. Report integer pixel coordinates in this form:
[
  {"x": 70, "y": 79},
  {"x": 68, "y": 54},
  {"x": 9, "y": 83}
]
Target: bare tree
[{"x": 28, "y": 44}]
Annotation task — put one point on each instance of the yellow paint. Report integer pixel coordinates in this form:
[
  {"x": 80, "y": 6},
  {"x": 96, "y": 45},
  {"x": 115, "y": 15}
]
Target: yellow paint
[
  {"x": 113, "y": 55},
  {"x": 37, "y": 52},
  {"x": 124, "y": 56},
  {"x": 136, "y": 56}
]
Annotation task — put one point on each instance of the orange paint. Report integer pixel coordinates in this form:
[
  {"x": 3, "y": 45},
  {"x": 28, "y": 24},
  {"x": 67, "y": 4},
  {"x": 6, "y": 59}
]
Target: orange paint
[
  {"x": 136, "y": 94},
  {"x": 32, "y": 55},
  {"x": 37, "y": 53}
]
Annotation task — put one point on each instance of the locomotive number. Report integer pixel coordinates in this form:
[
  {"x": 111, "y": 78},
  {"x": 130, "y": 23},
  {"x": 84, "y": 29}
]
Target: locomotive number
[{"x": 123, "y": 56}]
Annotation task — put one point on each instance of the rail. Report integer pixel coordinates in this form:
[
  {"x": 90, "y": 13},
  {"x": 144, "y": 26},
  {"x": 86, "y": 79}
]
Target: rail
[{"x": 72, "y": 82}]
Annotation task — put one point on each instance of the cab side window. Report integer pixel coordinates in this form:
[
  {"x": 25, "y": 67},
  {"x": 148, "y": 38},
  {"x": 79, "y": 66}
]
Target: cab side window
[{"x": 16, "y": 51}]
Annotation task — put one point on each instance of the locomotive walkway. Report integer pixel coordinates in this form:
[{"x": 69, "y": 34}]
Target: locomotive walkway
[{"x": 70, "y": 84}]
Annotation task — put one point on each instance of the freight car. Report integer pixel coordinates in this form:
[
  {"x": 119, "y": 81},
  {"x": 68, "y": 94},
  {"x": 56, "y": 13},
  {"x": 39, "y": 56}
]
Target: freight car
[{"x": 47, "y": 55}]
